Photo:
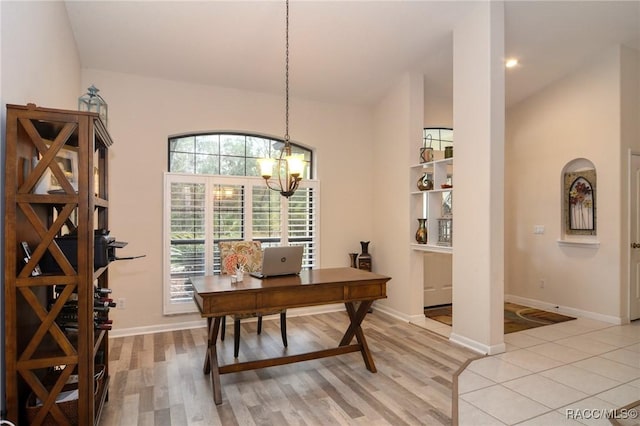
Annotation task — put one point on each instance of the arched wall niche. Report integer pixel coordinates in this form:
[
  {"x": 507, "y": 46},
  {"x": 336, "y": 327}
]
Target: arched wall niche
[{"x": 579, "y": 201}]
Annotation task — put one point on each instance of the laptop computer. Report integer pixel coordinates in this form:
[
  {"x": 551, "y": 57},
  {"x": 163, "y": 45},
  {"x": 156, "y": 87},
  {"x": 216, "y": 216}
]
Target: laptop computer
[{"x": 281, "y": 260}]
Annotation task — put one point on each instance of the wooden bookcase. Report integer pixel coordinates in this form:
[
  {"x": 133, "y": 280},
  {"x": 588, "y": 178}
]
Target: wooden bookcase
[{"x": 56, "y": 185}]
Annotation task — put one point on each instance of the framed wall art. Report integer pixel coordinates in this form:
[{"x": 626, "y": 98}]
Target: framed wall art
[{"x": 579, "y": 192}]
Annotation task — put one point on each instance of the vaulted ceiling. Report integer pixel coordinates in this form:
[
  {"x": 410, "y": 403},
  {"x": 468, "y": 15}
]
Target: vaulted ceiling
[{"x": 341, "y": 51}]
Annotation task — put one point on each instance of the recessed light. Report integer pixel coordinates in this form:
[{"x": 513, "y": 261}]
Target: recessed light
[{"x": 510, "y": 63}]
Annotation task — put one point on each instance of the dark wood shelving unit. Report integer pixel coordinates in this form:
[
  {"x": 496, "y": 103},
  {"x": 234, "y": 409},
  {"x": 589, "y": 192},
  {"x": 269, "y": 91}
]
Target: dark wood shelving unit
[{"x": 56, "y": 185}]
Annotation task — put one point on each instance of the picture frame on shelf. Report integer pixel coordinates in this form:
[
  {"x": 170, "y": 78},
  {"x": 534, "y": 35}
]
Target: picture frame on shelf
[{"x": 67, "y": 160}]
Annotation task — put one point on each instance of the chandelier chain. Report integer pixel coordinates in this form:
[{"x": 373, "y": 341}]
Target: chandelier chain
[{"x": 286, "y": 133}]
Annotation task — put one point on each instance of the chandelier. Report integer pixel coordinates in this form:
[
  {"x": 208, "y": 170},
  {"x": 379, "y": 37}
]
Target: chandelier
[{"x": 289, "y": 167}]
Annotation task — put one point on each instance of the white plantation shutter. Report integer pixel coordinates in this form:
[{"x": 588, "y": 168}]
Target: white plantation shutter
[
  {"x": 302, "y": 224},
  {"x": 266, "y": 215},
  {"x": 202, "y": 210},
  {"x": 228, "y": 217},
  {"x": 186, "y": 239}
]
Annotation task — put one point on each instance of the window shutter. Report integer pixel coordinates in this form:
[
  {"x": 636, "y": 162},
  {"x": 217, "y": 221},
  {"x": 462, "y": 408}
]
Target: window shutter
[
  {"x": 228, "y": 217},
  {"x": 266, "y": 216},
  {"x": 187, "y": 238},
  {"x": 302, "y": 223}
]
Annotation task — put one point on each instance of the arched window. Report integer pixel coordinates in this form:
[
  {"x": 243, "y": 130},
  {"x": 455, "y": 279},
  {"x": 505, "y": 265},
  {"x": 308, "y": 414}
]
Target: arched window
[
  {"x": 214, "y": 192},
  {"x": 229, "y": 154}
]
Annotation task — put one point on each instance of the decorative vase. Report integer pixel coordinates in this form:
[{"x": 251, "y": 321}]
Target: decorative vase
[
  {"x": 425, "y": 183},
  {"x": 421, "y": 233},
  {"x": 426, "y": 154},
  {"x": 353, "y": 257},
  {"x": 364, "y": 260}
]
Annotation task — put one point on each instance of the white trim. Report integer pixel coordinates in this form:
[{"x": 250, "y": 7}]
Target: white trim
[
  {"x": 160, "y": 328},
  {"x": 575, "y": 243},
  {"x": 396, "y": 314},
  {"x": 629, "y": 286},
  {"x": 566, "y": 310},
  {"x": 477, "y": 346}
]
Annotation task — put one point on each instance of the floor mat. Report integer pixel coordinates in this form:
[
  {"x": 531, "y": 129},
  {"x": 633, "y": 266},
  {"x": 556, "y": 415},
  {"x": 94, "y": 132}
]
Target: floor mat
[{"x": 516, "y": 317}]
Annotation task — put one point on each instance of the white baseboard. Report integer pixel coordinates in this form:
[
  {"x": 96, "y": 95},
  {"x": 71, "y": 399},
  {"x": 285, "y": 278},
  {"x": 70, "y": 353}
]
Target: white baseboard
[
  {"x": 565, "y": 310},
  {"x": 160, "y": 328},
  {"x": 396, "y": 314},
  {"x": 477, "y": 346}
]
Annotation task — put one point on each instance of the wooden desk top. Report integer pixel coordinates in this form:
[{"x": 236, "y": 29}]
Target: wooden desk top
[{"x": 215, "y": 295}]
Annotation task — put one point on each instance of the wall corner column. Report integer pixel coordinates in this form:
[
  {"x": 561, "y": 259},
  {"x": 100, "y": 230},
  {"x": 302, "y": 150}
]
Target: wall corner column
[{"x": 479, "y": 122}]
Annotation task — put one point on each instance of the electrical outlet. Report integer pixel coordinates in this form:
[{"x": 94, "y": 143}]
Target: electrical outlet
[
  {"x": 538, "y": 229},
  {"x": 122, "y": 303},
  {"x": 542, "y": 283}
]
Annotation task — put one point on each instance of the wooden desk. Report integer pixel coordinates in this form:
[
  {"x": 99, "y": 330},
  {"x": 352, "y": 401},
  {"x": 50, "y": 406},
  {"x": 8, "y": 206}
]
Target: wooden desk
[{"x": 217, "y": 297}]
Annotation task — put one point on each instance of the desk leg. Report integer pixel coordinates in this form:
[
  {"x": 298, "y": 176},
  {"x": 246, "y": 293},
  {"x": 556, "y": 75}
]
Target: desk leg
[
  {"x": 211, "y": 359},
  {"x": 356, "y": 318}
]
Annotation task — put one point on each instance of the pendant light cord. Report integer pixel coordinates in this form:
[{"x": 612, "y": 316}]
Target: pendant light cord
[{"x": 286, "y": 109}]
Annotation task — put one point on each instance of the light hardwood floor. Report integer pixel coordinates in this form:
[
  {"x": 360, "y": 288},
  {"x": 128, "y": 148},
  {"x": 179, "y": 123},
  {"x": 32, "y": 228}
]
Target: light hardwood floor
[{"x": 157, "y": 379}]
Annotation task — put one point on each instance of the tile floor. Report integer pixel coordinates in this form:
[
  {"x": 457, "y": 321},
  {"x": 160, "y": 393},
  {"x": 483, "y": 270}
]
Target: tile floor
[{"x": 562, "y": 374}]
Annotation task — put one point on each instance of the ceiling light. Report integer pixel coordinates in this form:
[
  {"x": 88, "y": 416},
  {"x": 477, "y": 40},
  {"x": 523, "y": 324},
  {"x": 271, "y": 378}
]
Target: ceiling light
[
  {"x": 289, "y": 168},
  {"x": 510, "y": 63}
]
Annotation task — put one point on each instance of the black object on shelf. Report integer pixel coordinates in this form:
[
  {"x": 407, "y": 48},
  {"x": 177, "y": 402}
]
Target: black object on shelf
[{"x": 104, "y": 251}]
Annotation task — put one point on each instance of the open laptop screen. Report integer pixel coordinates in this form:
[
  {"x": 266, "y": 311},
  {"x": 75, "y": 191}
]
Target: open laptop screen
[{"x": 280, "y": 260}]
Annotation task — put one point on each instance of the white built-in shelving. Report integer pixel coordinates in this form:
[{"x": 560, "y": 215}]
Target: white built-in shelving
[{"x": 432, "y": 204}]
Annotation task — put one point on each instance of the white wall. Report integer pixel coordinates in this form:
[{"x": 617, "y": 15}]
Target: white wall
[
  {"x": 143, "y": 112},
  {"x": 438, "y": 111},
  {"x": 577, "y": 117},
  {"x": 399, "y": 118},
  {"x": 630, "y": 142},
  {"x": 39, "y": 57},
  {"x": 39, "y": 63}
]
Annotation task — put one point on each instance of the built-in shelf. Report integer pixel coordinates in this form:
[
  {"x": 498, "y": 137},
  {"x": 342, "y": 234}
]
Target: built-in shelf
[
  {"x": 577, "y": 243},
  {"x": 429, "y": 204},
  {"x": 432, "y": 247}
]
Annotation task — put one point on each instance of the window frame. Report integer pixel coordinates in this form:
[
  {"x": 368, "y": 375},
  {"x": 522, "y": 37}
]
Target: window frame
[
  {"x": 172, "y": 307},
  {"x": 296, "y": 147}
]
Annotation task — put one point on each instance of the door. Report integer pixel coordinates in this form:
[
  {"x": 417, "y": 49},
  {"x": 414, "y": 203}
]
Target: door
[
  {"x": 634, "y": 214},
  {"x": 437, "y": 279}
]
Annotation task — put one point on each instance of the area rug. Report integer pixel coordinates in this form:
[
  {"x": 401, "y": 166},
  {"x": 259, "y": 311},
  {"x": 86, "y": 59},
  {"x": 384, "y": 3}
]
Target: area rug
[{"x": 516, "y": 317}]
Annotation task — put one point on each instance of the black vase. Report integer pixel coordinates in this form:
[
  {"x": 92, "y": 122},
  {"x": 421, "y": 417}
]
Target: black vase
[
  {"x": 364, "y": 260},
  {"x": 354, "y": 260}
]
